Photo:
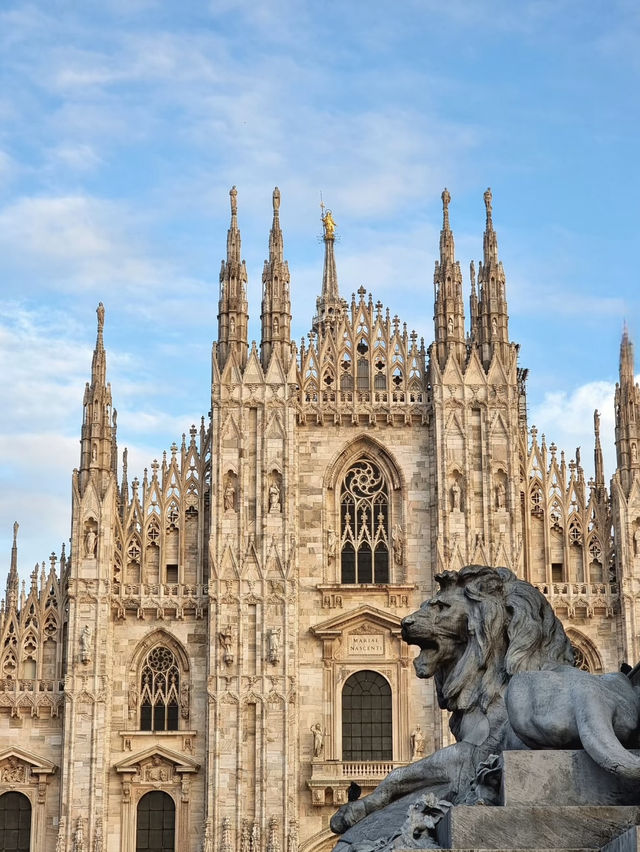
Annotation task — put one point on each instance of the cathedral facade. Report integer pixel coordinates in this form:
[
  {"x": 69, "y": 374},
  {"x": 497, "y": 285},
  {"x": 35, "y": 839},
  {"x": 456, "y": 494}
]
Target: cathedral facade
[{"x": 218, "y": 657}]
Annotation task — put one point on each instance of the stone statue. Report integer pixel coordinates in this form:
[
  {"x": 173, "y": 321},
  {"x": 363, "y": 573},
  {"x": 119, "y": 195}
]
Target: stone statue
[
  {"x": 318, "y": 739},
  {"x": 503, "y": 667},
  {"x": 450, "y": 325},
  {"x": 417, "y": 743},
  {"x": 85, "y": 644},
  {"x": 455, "y": 496},
  {"x": 273, "y": 645},
  {"x": 274, "y": 497},
  {"x": 636, "y": 542},
  {"x": 332, "y": 543},
  {"x": 229, "y": 497},
  {"x": 397, "y": 544},
  {"x": 226, "y": 640},
  {"x": 500, "y": 495},
  {"x": 90, "y": 541}
]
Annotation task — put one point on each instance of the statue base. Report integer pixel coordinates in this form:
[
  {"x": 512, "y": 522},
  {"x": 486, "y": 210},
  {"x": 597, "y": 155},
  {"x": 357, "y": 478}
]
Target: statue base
[{"x": 559, "y": 800}]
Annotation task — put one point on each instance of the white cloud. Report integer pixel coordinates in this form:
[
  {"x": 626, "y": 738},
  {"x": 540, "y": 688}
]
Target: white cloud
[{"x": 566, "y": 418}]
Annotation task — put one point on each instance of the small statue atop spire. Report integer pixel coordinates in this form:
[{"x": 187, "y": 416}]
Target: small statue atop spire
[
  {"x": 276, "y": 201},
  {"x": 446, "y": 200},
  {"x": 233, "y": 194},
  {"x": 487, "y": 203},
  {"x": 16, "y": 526},
  {"x": 596, "y": 422},
  {"x": 100, "y": 313},
  {"x": 328, "y": 223},
  {"x": 472, "y": 275}
]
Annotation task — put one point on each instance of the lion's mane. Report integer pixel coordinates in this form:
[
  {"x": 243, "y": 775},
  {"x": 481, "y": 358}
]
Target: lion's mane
[{"x": 511, "y": 628}]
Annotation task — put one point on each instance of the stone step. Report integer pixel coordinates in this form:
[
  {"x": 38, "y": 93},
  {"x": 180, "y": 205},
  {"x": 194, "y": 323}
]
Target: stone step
[
  {"x": 590, "y": 827},
  {"x": 562, "y": 778}
]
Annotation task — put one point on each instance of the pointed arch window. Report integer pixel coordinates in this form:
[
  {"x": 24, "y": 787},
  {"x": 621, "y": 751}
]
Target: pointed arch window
[
  {"x": 159, "y": 691},
  {"x": 364, "y": 524}
]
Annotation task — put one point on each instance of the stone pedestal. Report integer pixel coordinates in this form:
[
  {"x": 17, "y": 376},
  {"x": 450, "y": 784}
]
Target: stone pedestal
[{"x": 558, "y": 800}]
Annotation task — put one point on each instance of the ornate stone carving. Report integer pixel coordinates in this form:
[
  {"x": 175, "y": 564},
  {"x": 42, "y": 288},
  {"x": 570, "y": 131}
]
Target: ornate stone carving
[
  {"x": 78, "y": 836},
  {"x": 13, "y": 771}
]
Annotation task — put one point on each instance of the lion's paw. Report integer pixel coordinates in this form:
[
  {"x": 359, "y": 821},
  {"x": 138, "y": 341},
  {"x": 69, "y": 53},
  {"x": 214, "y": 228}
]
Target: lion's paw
[{"x": 347, "y": 815}]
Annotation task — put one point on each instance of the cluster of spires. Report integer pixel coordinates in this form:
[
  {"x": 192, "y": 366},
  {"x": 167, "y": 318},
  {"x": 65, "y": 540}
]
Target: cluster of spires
[
  {"x": 16, "y": 591},
  {"x": 489, "y": 333}
]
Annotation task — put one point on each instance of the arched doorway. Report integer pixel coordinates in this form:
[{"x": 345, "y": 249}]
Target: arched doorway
[
  {"x": 367, "y": 723},
  {"x": 15, "y": 822},
  {"x": 156, "y": 823}
]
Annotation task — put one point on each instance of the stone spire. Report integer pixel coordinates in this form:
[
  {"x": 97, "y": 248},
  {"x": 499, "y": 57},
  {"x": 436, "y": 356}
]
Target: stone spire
[
  {"x": 13, "y": 583},
  {"x": 233, "y": 309},
  {"x": 329, "y": 305},
  {"x": 276, "y": 301},
  {"x": 597, "y": 457},
  {"x": 447, "y": 286},
  {"x": 493, "y": 319},
  {"x": 97, "y": 442},
  {"x": 627, "y": 408}
]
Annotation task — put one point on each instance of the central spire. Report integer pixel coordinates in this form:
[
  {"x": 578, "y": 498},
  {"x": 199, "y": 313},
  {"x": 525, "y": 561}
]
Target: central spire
[
  {"x": 490, "y": 325},
  {"x": 329, "y": 305}
]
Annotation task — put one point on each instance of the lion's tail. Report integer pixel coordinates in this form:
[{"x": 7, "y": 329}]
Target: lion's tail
[{"x": 601, "y": 743}]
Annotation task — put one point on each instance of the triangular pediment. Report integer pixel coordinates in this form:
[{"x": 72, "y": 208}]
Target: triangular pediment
[
  {"x": 275, "y": 373},
  {"x": 253, "y": 374},
  {"x": 39, "y": 766},
  {"x": 181, "y": 762},
  {"x": 347, "y": 620}
]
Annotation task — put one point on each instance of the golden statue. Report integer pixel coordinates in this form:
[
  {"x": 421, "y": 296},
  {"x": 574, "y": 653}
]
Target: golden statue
[{"x": 329, "y": 225}]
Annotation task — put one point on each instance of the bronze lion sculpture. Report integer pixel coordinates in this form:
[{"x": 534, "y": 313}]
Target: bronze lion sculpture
[{"x": 503, "y": 666}]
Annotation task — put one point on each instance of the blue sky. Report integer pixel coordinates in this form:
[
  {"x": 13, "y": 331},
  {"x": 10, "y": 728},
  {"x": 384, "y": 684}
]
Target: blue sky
[{"x": 124, "y": 123}]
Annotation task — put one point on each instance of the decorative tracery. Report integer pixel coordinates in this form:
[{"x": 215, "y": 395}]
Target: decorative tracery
[
  {"x": 159, "y": 691},
  {"x": 364, "y": 524}
]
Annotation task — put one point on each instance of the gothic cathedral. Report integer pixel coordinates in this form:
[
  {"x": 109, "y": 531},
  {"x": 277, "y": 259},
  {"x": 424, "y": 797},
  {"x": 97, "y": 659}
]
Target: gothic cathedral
[{"x": 218, "y": 657}]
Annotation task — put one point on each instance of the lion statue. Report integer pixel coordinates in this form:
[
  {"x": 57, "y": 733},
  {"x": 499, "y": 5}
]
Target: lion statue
[{"x": 503, "y": 667}]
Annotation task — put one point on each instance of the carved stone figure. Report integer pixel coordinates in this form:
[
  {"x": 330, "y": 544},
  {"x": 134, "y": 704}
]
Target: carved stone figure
[
  {"x": 273, "y": 645},
  {"x": 156, "y": 771},
  {"x": 502, "y": 665},
  {"x": 90, "y": 541},
  {"x": 184, "y": 700},
  {"x": 226, "y": 641},
  {"x": 229, "y": 497},
  {"x": 274, "y": 497},
  {"x": 85, "y": 644},
  {"x": 318, "y": 739},
  {"x": 332, "y": 543},
  {"x": 417, "y": 743},
  {"x": 500, "y": 495},
  {"x": 397, "y": 544},
  {"x": 636, "y": 542},
  {"x": 455, "y": 496},
  {"x": 13, "y": 772}
]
